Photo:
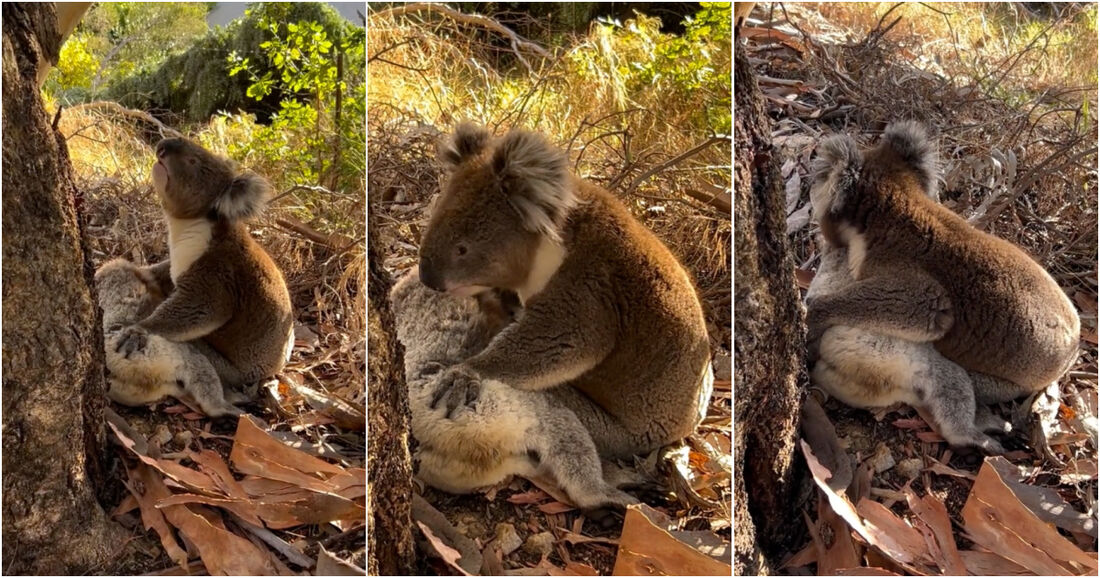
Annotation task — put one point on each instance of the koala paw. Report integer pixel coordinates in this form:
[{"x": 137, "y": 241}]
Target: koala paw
[
  {"x": 132, "y": 339},
  {"x": 942, "y": 317},
  {"x": 459, "y": 388}
]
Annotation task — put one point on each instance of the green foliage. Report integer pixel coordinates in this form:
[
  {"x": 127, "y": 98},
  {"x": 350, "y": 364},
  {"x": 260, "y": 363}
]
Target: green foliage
[
  {"x": 195, "y": 85},
  {"x": 309, "y": 135},
  {"x": 116, "y": 39},
  {"x": 694, "y": 66}
]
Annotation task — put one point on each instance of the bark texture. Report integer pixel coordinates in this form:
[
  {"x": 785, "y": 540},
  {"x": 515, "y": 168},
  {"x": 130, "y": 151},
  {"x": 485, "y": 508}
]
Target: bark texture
[
  {"x": 53, "y": 435},
  {"x": 389, "y": 472},
  {"x": 768, "y": 343}
]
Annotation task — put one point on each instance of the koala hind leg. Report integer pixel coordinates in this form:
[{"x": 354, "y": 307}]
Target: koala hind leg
[{"x": 568, "y": 452}]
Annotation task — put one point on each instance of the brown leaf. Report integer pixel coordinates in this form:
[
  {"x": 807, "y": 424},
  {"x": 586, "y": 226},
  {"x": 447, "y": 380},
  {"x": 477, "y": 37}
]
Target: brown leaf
[
  {"x": 990, "y": 564},
  {"x": 901, "y": 548},
  {"x": 186, "y": 476},
  {"x": 934, "y": 513},
  {"x": 222, "y": 552},
  {"x": 556, "y": 507},
  {"x": 329, "y": 565},
  {"x": 447, "y": 553},
  {"x": 995, "y": 518},
  {"x": 647, "y": 548},
  {"x": 147, "y": 487}
]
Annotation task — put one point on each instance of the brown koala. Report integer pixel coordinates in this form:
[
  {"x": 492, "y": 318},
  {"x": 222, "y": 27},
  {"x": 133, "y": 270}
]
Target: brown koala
[
  {"x": 610, "y": 324},
  {"x": 224, "y": 293},
  {"x": 923, "y": 274}
]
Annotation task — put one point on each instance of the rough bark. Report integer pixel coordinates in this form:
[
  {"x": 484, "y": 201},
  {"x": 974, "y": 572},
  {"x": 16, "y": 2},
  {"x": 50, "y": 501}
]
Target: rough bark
[
  {"x": 389, "y": 473},
  {"x": 768, "y": 343},
  {"x": 53, "y": 435}
]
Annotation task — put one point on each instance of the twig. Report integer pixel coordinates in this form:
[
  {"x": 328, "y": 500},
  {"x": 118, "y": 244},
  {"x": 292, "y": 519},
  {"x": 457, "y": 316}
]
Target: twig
[
  {"x": 473, "y": 19},
  {"x": 683, "y": 156}
]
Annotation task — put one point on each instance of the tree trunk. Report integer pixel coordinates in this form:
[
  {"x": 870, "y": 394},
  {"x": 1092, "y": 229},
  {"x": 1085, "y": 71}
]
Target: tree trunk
[
  {"x": 53, "y": 390},
  {"x": 768, "y": 343},
  {"x": 389, "y": 473}
]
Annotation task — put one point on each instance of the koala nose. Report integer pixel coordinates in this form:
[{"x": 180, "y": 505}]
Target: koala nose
[
  {"x": 166, "y": 146},
  {"x": 429, "y": 276}
]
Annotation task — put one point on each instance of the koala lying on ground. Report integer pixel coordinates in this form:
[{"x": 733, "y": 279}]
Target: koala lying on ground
[
  {"x": 914, "y": 273},
  {"x": 866, "y": 369},
  {"x": 223, "y": 294},
  {"x": 509, "y": 431},
  {"x": 127, "y": 294},
  {"x": 611, "y": 323}
]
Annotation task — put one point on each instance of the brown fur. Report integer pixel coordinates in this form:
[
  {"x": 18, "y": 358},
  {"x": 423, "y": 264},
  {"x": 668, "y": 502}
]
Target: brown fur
[
  {"x": 618, "y": 320},
  {"x": 985, "y": 304},
  {"x": 226, "y": 294}
]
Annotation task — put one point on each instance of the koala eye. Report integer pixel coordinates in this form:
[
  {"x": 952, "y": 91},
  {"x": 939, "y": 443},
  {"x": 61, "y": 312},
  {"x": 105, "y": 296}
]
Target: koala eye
[{"x": 461, "y": 250}]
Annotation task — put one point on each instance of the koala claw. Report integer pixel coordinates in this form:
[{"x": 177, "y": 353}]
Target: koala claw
[
  {"x": 132, "y": 340},
  {"x": 459, "y": 387}
]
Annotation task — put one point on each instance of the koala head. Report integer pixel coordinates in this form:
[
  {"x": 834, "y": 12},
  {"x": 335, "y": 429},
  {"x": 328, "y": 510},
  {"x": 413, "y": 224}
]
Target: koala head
[
  {"x": 847, "y": 181},
  {"x": 193, "y": 182},
  {"x": 127, "y": 293},
  {"x": 502, "y": 198}
]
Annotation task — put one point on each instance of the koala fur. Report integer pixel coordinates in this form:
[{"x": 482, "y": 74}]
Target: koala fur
[
  {"x": 932, "y": 277},
  {"x": 223, "y": 292},
  {"x": 127, "y": 294},
  {"x": 608, "y": 312},
  {"x": 866, "y": 369},
  {"x": 508, "y": 431}
]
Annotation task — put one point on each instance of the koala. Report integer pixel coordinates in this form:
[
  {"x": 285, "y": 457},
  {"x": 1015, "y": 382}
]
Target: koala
[
  {"x": 611, "y": 322},
  {"x": 866, "y": 369},
  {"x": 223, "y": 294},
  {"x": 509, "y": 431},
  {"x": 127, "y": 294},
  {"x": 922, "y": 274}
]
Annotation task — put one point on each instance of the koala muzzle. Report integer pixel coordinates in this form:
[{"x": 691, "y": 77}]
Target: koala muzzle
[
  {"x": 167, "y": 146},
  {"x": 430, "y": 276}
]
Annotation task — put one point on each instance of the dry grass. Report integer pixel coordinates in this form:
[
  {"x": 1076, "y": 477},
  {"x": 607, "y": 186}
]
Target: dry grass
[
  {"x": 111, "y": 152},
  {"x": 426, "y": 73}
]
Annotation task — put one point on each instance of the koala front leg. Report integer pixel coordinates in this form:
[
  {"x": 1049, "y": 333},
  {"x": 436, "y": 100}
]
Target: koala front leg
[
  {"x": 161, "y": 275},
  {"x": 557, "y": 339},
  {"x": 909, "y": 305},
  {"x": 195, "y": 309}
]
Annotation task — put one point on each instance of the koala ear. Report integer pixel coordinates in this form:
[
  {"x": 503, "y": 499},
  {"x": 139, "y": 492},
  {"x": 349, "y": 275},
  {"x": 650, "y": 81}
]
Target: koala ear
[
  {"x": 245, "y": 198},
  {"x": 535, "y": 176},
  {"x": 911, "y": 144},
  {"x": 467, "y": 141},
  {"x": 835, "y": 173}
]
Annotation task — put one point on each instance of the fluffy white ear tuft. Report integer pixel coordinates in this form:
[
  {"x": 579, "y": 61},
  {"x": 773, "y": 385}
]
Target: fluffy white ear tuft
[
  {"x": 835, "y": 172},
  {"x": 535, "y": 176},
  {"x": 911, "y": 143},
  {"x": 245, "y": 198},
  {"x": 467, "y": 141}
]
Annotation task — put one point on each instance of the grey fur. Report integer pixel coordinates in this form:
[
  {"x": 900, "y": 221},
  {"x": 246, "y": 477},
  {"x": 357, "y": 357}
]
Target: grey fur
[
  {"x": 504, "y": 431},
  {"x": 535, "y": 176},
  {"x": 245, "y": 198},
  {"x": 835, "y": 172},
  {"x": 468, "y": 141},
  {"x": 163, "y": 368},
  {"x": 909, "y": 140}
]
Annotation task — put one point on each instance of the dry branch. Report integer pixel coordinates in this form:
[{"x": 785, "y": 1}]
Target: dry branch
[
  {"x": 675, "y": 160},
  {"x": 516, "y": 40}
]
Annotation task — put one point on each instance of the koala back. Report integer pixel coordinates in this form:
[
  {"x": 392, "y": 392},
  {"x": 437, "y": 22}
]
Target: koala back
[{"x": 1012, "y": 320}]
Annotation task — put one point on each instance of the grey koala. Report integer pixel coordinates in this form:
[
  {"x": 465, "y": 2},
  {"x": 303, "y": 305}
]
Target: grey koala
[
  {"x": 128, "y": 294},
  {"x": 504, "y": 431}
]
